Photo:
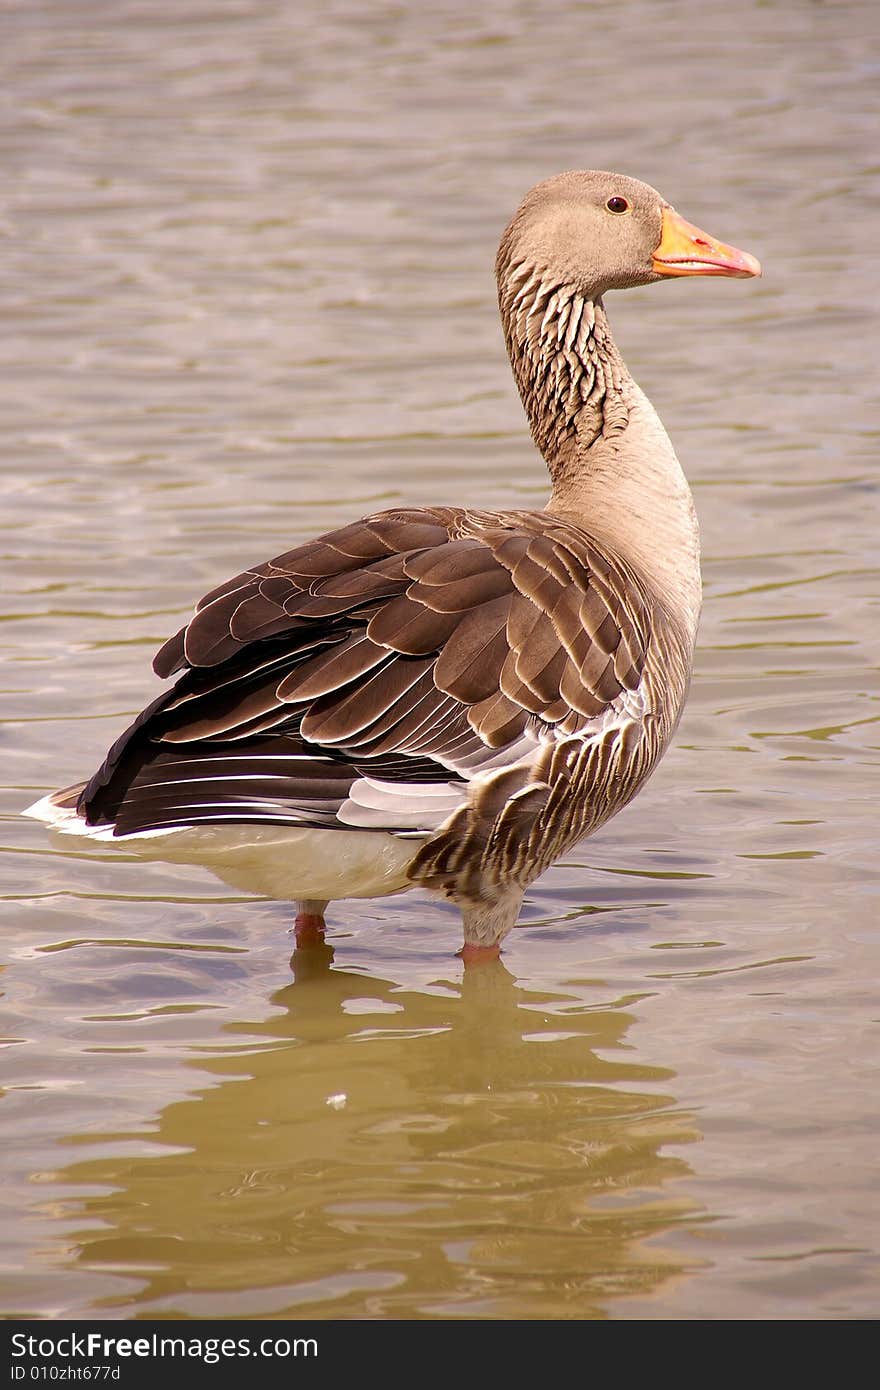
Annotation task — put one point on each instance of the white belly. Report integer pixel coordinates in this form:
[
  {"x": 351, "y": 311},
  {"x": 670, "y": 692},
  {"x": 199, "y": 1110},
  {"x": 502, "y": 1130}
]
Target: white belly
[{"x": 290, "y": 862}]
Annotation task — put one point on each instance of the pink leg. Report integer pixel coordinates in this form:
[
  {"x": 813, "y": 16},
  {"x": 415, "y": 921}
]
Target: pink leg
[
  {"x": 308, "y": 928},
  {"x": 471, "y": 954}
]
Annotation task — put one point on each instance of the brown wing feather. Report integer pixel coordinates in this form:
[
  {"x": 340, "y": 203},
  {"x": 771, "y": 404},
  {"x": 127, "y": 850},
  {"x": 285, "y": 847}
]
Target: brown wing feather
[{"x": 414, "y": 635}]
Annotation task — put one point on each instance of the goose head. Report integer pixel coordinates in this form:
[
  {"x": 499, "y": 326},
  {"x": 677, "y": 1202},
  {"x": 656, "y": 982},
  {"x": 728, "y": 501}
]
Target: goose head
[{"x": 595, "y": 231}]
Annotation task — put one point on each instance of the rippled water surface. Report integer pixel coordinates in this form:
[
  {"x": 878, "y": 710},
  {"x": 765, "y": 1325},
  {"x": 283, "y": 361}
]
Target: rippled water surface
[{"x": 247, "y": 296}]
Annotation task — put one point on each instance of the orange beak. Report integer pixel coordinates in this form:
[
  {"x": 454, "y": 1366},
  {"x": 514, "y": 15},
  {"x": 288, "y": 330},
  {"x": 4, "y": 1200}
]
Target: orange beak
[{"x": 685, "y": 250}]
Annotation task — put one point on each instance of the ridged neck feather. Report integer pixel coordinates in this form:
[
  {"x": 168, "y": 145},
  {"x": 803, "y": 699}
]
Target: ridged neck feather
[
  {"x": 572, "y": 380},
  {"x": 611, "y": 463}
]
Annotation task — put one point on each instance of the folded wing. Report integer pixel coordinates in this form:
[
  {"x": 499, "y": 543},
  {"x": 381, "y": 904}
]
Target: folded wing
[{"x": 367, "y": 677}]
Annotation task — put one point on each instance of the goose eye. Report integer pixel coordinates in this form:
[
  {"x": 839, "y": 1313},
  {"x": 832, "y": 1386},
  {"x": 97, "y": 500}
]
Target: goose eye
[{"x": 617, "y": 205}]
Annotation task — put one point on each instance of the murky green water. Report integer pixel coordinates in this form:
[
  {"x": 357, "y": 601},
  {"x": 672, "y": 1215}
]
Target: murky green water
[{"x": 247, "y": 296}]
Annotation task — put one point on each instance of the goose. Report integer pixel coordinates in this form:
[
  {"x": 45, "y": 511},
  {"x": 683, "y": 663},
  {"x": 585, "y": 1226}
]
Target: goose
[{"x": 440, "y": 696}]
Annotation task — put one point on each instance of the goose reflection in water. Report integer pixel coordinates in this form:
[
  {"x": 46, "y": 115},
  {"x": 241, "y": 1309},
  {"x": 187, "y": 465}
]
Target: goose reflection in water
[{"x": 473, "y": 1149}]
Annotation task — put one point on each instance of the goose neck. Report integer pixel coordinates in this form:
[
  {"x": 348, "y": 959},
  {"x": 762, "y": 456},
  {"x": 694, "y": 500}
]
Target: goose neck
[{"x": 571, "y": 378}]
